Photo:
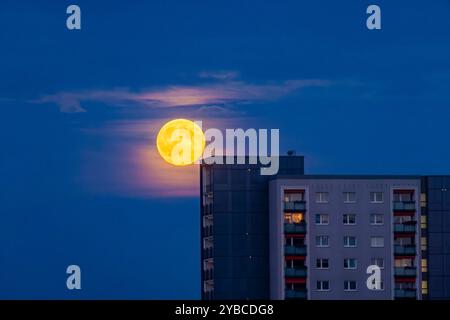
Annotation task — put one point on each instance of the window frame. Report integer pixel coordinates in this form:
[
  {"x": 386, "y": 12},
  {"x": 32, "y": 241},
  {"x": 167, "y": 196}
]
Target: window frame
[{"x": 347, "y": 245}]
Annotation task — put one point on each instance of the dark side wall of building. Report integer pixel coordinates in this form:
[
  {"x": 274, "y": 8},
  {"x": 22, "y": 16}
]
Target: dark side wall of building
[
  {"x": 240, "y": 229},
  {"x": 438, "y": 207}
]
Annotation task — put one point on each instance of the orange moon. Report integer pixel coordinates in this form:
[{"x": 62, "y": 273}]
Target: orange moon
[{"x": 180, "y": 142}]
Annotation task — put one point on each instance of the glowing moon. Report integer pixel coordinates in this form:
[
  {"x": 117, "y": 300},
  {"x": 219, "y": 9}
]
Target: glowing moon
[{"x": 180, "y": 142}]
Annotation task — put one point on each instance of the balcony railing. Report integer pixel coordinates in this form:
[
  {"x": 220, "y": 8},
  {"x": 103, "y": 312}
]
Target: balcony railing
[
  {"x": 405, "y": 227},
  {"x": 294, "y": 206},
  {"x": 405, "y": 250},
  {"x": 294, "y": 250},
  {"x": 295, "y": 272},
  {"x": 405, "y": 293},
  {"x": 405, "y": 271},
  {"x": 404, "y": 205},
  {"x": 295, "y": 294},
  {"x": 295, "y": 227}
]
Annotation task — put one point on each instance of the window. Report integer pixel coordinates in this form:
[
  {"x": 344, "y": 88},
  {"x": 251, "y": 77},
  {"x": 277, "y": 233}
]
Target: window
[
  {"x": 349, "y": 241},
  {"x": 378, "y": 262},
  {"x": 350, "y": 285},
  {"x": 377, "y": 242},
  {"x": 376, "y": 197},
  {"x": 349, "y": 197},
  {"x": 322, "y": 219},
  {"x": 322, "y": 264},
  {"x": 376, "y": 219},
  {"x": 322, "y": 197},
  {"x": 423, "y": 222},
  {"x": 293, "y": 196},
  {"x": 323, "y": 285},
  {"x": 293, "y": 217},
  {"x": 322, "y": 241},
  {"x": 350, "y": 263},
  {"x": 424, "y": 287},
  {"x": 423, "y": 243},
  {"x": 424, "y": 265},
  {"x": 349, "y": 219}
]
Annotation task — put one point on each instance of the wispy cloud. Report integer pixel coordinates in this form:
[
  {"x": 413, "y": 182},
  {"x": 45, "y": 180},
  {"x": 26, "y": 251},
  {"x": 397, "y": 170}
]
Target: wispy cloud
[
  {"x": 226, "y": 92},
  {"x": 220, "y": 75}
]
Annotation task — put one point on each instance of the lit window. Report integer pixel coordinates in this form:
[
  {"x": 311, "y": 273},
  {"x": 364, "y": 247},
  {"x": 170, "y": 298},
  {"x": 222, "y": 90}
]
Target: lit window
[
  {"x": 376, "y": 219},
  {"x": 350, "y": 263},
  {"x": 322, "y": 197},
  {"x": 349, "y": 241},
  {"x": 322, "y": 241},
  {"x": 349, "y": 197},
  {"x": 424, "y": 265},
  {"x": 323, "y": 285},
  {"x": 423, "y": 222},
  {"x": 424, "y": 287},
  {"x": 322, "y": 264},
  {"x": 322, "y": 219},
  {"x": 293, "y": 217},
  {"x": 377, "y": 242},
  {"x": 350, "y": 285},
  {"x": 376, "y": 197},
  {"x": 423, "y": 200},
  {"x": 378, "y": 262},
  {"x": 349, "y": 219}
]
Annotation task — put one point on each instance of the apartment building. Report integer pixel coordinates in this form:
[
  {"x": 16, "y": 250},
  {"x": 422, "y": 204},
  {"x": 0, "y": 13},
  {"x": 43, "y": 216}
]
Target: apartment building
[{"x": 297, "y": 236}]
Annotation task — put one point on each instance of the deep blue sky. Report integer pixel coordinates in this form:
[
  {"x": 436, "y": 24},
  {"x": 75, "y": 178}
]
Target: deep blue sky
[{"x": 72, "y": 184}]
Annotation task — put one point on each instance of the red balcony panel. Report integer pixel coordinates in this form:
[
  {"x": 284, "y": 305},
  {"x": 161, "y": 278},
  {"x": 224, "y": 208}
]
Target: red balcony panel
[
  {"x": 404, "y": 235},
  {"x": 295, "y": 257},
  {"x": 404, "y": 257},
  {"x": 404, "y": 213},
  {"x": 294, "y": 191},
  {"x": 405, "y": 280},
  {"x": 295, "y": 280},
  {"x": 294, "y": 236}
]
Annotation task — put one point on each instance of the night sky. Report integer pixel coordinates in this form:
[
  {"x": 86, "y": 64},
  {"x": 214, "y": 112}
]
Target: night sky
[{"x": 80, "y": 180}]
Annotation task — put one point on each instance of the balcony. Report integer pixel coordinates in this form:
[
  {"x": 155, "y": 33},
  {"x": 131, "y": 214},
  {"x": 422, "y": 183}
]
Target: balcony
[
  {"x": 295, "y": 206},
  {"x": 405, "y": 293},
  {"x": 405, "y": 271},
  {"x": 295, "y": 272},
  {"x": 295, "y": 294},
  {"x": 404, "y": 206},
  {"x": 409, "y": 227},
  {"x": 292, "y": 250},
  {"x": 407, "y": 250},
  {"x": 295, "y": 228}
]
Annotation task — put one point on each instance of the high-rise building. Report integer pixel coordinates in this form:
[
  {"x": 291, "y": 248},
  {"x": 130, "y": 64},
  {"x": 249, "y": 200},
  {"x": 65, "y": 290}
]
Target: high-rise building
[{"x": 297, "y": 236}]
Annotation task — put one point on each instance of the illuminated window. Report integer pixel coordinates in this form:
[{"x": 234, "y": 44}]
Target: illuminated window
[
  {"x": 424, "y": 265},
  {"x": 293, "y": 217},
  {"x": 423, "y": 222},
  {"x": 424, "y": 287},
  {"x": 423, "y": 200},
  {"x": 423, "y": 243}
]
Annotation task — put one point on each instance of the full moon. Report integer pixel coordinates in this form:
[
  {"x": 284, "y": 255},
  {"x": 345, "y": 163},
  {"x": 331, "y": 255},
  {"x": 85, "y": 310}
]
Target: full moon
[{"x": 180, "y": 142}]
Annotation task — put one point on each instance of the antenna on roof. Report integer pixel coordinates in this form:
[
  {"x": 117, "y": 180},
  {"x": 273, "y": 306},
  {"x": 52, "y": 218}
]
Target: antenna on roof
[{"x": 291, "y": 153}]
